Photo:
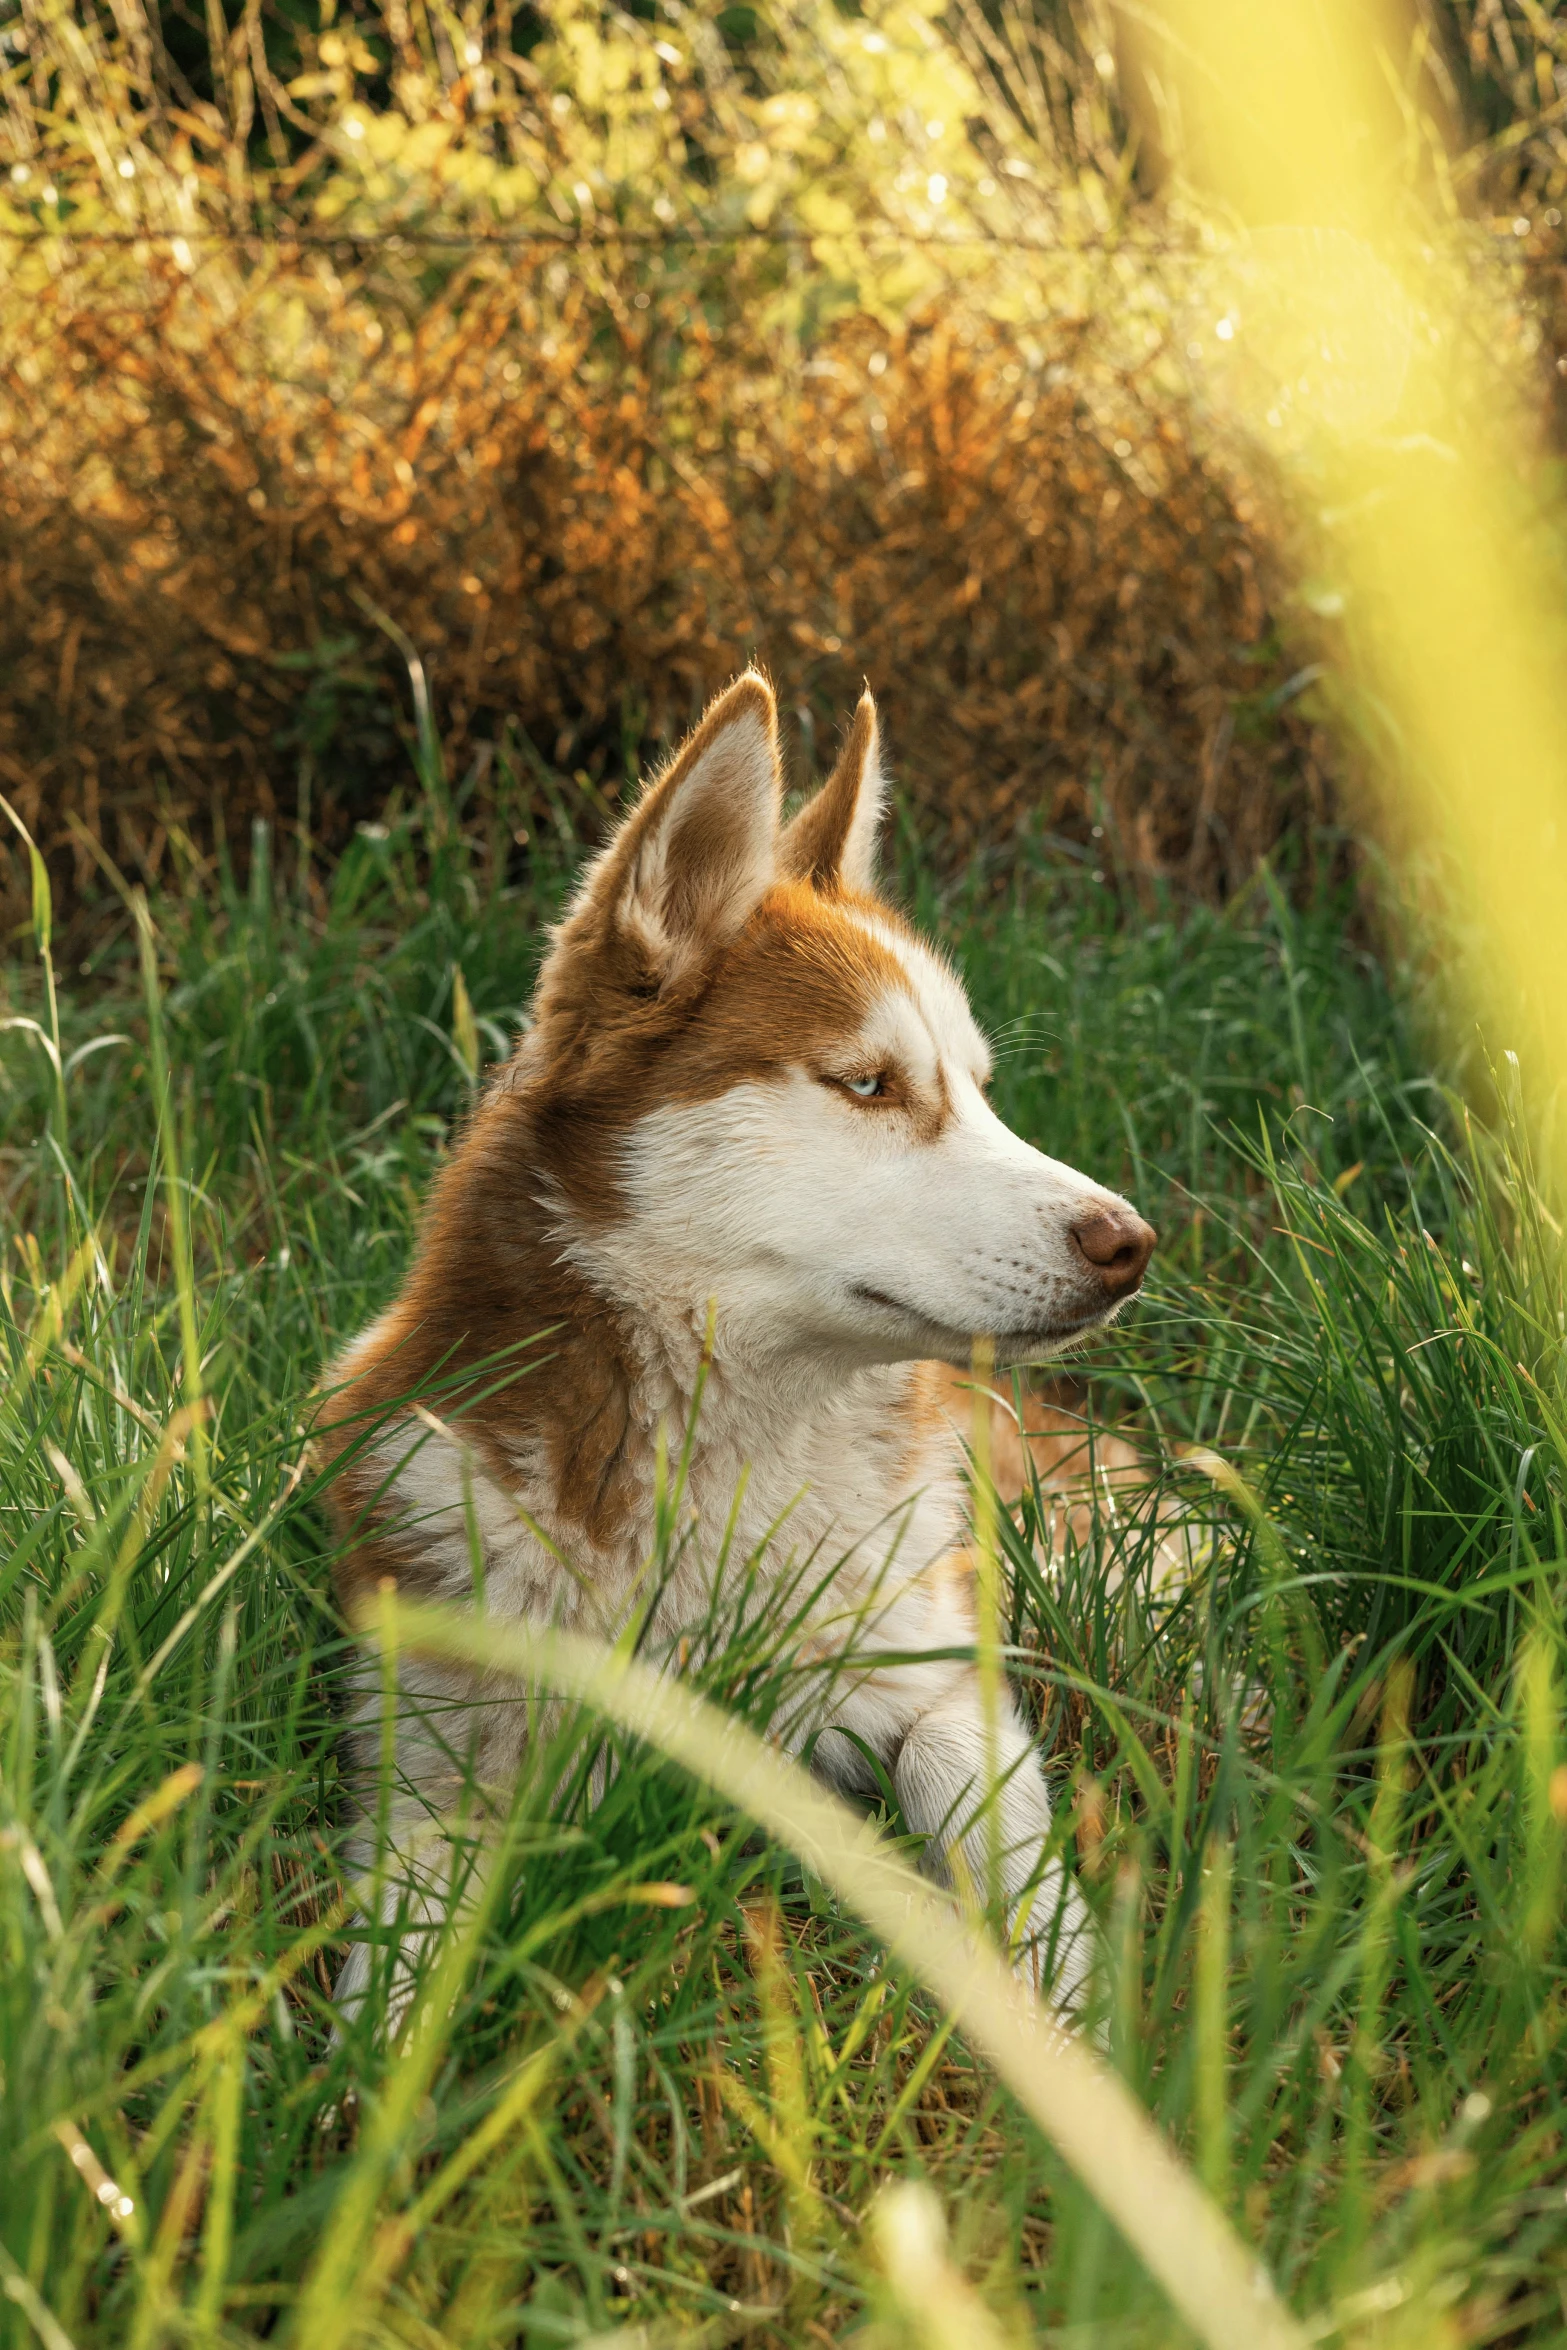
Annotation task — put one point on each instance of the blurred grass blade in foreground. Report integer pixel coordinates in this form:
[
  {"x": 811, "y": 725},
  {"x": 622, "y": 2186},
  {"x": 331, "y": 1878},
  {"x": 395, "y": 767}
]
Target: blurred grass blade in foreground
[{"x": 1219, "y": 2288}]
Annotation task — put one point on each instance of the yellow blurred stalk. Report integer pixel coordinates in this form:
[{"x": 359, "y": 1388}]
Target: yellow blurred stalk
[
  {"x": 936, "y": 2302},
  {"x": 1348, "y": 351}
]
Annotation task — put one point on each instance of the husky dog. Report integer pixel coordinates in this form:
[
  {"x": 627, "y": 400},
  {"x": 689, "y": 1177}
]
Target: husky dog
[{"x": 749, "y": 1100}]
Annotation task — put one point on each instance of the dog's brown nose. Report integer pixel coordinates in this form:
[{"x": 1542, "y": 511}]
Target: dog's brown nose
[{"x": 1118, "y": 1244}]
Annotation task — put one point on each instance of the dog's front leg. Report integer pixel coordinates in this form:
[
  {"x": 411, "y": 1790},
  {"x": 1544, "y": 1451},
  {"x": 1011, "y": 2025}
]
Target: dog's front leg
[
  {"x": 434, "y": 1761},
  {"x": 417, "y": 1882},
  {"x": 940, "y": 1773}
]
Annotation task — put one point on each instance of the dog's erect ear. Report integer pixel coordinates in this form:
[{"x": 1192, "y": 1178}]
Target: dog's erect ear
[
  {"x": 701, "y": 845},
  {"x": 833, "y": 839}
]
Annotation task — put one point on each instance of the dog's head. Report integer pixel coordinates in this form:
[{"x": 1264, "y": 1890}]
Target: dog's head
[{"x": 751, "y": 1081}]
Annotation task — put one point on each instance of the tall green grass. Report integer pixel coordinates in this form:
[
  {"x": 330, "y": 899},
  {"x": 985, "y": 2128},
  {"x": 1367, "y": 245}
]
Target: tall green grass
[{"x": 1317, "y": 1788}]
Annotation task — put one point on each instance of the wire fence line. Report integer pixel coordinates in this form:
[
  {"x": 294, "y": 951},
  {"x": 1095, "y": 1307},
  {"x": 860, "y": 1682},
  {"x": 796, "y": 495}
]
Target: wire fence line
[{"x": 463, "y": 240}]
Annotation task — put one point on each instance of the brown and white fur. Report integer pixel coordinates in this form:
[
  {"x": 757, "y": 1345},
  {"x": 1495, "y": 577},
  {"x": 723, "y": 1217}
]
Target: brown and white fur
[{"x": 746, "y": 1081}]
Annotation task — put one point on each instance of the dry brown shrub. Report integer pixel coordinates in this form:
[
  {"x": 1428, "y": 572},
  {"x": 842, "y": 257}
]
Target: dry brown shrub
[
  {"x": 524, "y": 339},
  {"x": 587, "y": 515}
]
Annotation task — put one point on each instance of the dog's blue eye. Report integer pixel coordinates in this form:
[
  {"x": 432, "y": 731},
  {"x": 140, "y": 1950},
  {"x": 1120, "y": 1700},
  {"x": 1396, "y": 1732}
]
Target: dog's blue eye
[{"x": 866, "y": 1088}]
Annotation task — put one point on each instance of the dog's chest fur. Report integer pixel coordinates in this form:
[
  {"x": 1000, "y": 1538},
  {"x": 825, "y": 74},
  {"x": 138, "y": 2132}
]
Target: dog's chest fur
[{"x": 849, "y": 1494}]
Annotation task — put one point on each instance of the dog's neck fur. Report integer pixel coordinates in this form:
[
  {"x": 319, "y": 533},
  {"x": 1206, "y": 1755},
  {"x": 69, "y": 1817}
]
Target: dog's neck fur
[{"x": 576, "y": 1423}]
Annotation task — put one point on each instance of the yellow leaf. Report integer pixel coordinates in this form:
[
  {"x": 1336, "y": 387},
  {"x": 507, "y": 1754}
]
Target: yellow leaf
[{"x": 465, "y": 1029}]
